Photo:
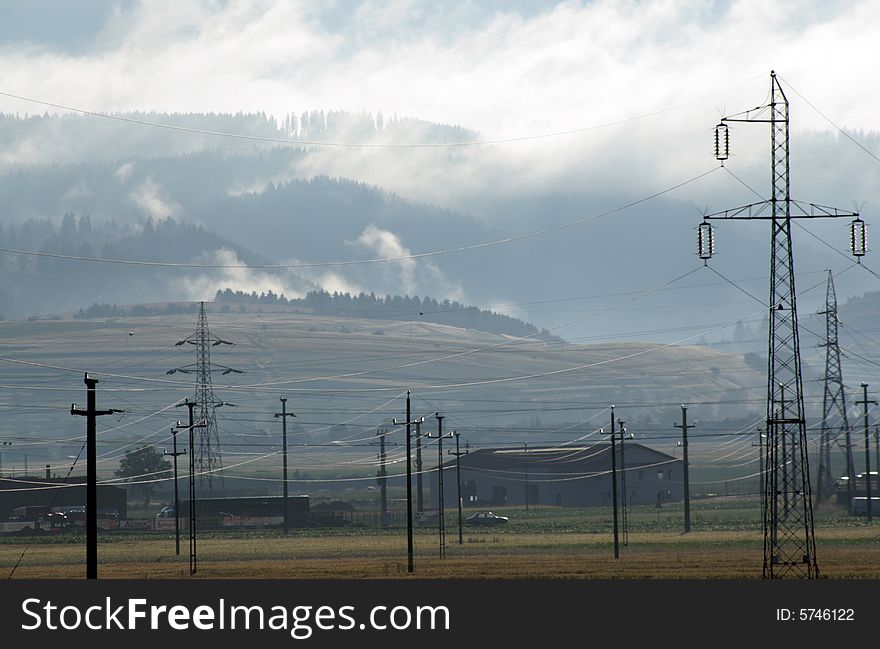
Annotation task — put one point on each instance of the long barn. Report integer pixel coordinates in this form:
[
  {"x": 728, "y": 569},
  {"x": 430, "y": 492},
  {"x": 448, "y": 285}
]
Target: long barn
[{"x": 570, "y": 476}]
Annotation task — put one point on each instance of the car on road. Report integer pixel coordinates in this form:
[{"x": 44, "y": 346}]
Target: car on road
[
  {"x": 485, "y": 519},
  {"x": 428, "y": 519}
]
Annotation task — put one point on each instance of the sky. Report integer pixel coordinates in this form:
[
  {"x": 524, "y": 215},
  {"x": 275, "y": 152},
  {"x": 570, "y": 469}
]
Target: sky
[
  {"x": 504, "y": 69},
  {"x": 631, "y": 90}
]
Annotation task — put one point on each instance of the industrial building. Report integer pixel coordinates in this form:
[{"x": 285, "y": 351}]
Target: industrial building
[
  {"x": 566, "y": 476},
  {"x": 57, "y": 494}
]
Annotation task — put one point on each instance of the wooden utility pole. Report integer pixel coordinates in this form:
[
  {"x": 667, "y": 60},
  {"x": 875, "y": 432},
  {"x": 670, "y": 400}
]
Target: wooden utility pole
[
  {"x": 441, "y": 521},
  {"x": 614, "y": 487},
  {"x": 420, "y": 498},
  {"x": 91, "y": 413},
  {"x": 174, "y": 454},
  {"x": 865, "y": 402},
  {"x": 409, "y": 515},
  {"x": 381, "y": 480},
  {"x": 457, "y": 453},
  {"x": 192, "y": 479},
  {"x": 284, "y": 415},
  {"x": 686, "y": 466}
]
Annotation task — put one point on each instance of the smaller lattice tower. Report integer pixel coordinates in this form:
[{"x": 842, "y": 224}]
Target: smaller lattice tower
[
  {"x": 209, "y": 461},
  {"x": 835, "y": 425}
]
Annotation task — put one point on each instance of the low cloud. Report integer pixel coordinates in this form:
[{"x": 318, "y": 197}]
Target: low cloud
[
  {"x": 123, "y": 173},
  {"x": 404, "y": 275},
  {"x": 148, "y": 196},
  {"x": 204, "y": 285}
]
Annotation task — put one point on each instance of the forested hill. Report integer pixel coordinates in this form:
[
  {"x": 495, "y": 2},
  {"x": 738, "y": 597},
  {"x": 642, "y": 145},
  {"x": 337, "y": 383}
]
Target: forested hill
[
  {"x": 398, "y": 307},
  {"x": 40, "y": 285}
]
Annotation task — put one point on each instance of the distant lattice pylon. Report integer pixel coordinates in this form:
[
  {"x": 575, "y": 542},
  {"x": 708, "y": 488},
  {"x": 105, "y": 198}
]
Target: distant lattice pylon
[
  {"x": 835, "y": 423},
  {"x": 209, "y": 461}
]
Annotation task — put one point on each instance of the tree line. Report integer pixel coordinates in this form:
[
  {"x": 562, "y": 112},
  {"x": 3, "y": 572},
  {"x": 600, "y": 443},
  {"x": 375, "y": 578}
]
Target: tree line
[{"x": 397, "y": 307}]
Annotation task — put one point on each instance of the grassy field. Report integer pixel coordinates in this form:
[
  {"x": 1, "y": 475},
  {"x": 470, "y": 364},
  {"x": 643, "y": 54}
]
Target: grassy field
[{"x": 542, "y": 543}]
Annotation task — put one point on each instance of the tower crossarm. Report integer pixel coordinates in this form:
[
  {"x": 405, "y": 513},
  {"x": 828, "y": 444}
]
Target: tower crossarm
[{"x": 762, "y": 211}]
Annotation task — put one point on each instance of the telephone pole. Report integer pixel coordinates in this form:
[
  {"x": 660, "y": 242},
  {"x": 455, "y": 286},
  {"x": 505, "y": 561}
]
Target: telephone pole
[
  {"x": 174, "y": 454},
  {"x": 686, "y": 466},
  {"x": 409, "y": 515},
  {"x": 614, "y": 486},
  {"x": 192, "y": 479},
  {"x": 420, "y": 500},
  {"x": 865, "y": 402},
  {"x": 381, "y": 480},
  {"x": 760, "y": 445},
  {"x": 526, "y": 469},
  {"x": 441, "y": 521},
  {"x": 457, "y": 453},
  {"x": 284, "y": 415},
  {"x": 877, "y": 448},
  {"x": 91, "y": 413},
  {"x": 622, "y": 429},
  {"x": 790, "y": 541}
]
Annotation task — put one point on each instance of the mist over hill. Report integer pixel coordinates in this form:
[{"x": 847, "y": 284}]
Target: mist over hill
[{"x": 588, "y": 261}]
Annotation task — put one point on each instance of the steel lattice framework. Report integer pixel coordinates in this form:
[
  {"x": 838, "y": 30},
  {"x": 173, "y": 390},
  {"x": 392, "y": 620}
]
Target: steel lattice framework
[
  {"x": 789, "y": 538},
  {"x": 834, "y": 404},
  {"x": 209, "y": 460}
]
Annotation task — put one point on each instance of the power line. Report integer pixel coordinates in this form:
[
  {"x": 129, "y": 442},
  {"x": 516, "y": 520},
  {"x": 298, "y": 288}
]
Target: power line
[{"x": 828, "y": 119}]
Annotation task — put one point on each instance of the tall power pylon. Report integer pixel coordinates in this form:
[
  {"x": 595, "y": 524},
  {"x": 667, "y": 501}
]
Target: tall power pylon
[
  {"x": 834, "y": 403},
  {"x": 209, "y": 460},
  {"x": 789, "y": 537}
]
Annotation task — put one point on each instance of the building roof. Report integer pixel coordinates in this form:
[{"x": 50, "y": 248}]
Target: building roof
[{"x": 595, "y": 457}]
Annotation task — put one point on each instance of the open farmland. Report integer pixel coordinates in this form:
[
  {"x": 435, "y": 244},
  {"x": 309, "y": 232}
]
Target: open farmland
[
  {"x": 344, "y": 377},
  {"x": 540, "y": 544}
]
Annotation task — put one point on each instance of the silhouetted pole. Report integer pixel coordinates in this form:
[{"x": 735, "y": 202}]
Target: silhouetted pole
[
  {"x": 420, "y": 499},
  {"x": 877, "y": 448},
  {"x": 91, "y": 413},
  {"x": 614, "y": 486},
  {"x": 381, "y": 479},
  {"x": 865, "y": 403},
  {"x": 622, "y": 429},
  {"x": 192, "y": 480},
  {"x": 176, "y": 498},
  {"x": 457, "y": 453},
  {"x": 760, "y": 445},
  {"x": 441, "y": 521},
  {"x": 409, "y": 518},
  {"x": 686, "y": 466},
  {"x": 284, "y": 415}
]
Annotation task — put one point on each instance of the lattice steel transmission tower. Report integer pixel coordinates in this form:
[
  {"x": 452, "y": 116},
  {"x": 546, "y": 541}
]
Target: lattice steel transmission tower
[
  {"x": 209, "y": 460},
  {"x": 789, "y": 538},
  {"x": 834, "y": 404}
]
